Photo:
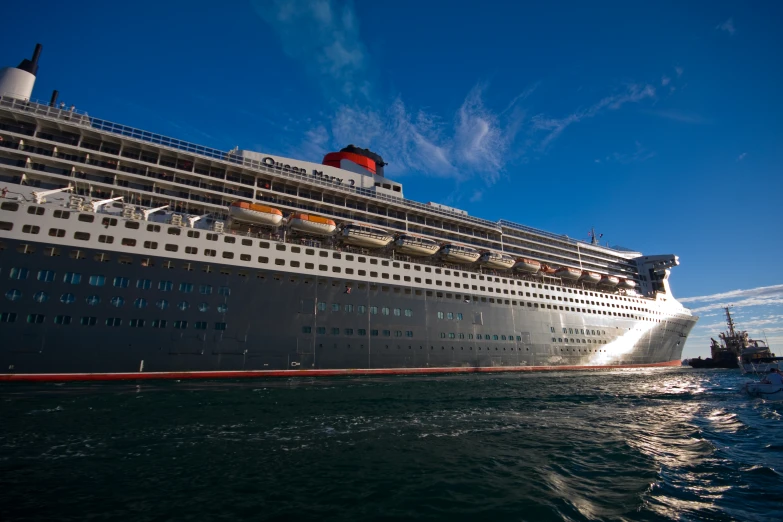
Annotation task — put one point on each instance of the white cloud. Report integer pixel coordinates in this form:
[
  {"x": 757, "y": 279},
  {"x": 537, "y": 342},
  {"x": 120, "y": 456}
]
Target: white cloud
[
  {"x": 761, "y": 296},
  {"x": 681, "y": 116},
  {"x": 727, "y": 26},
  {"x": 679, "y": 70},
  {"x": 476, "y": 196},
  {"x": 742, "y": 156},
  {"x": 665, "y": 80}
]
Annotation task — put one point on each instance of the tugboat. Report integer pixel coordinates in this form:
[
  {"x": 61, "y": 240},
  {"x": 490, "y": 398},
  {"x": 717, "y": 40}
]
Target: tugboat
[{"x": 737, "y": 349}]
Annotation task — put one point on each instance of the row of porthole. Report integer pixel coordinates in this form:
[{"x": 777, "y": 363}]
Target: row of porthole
[
  {"x": 10, "y": 317},
  {"x": 116, "y": 301}
]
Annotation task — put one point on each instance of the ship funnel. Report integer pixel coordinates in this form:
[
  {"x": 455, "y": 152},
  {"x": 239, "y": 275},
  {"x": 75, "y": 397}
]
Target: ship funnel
[
  {"x": 18, "y": 82},
  {"x": 53, "y": 101}
]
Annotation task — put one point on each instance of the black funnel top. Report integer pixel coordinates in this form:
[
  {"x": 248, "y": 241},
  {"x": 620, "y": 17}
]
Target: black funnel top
[
  {"x": 367, "y": 153},
  {"x": 31, "y": 66}
]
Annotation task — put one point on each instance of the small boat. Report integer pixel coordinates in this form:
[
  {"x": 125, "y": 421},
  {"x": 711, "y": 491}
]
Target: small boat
[
  {"x": 497, "y": 260},
  {"x": 628, "y": 283},
  {"x": 528, "y": 266},
  {"x": 365, "y": 236},
  {"x": 568, "y": 273},
  {"x": 762, "y": 390},
  {"x": 609, "y": 280},
  {"x": 255, "y": 214},
  {"x": 459, "y": 254},
  {"x": 415, "y": 245},
  {"x": 590, "y": 277},
  {"x": 548, "y": 270},
  {"x": 314, "y": 225}
]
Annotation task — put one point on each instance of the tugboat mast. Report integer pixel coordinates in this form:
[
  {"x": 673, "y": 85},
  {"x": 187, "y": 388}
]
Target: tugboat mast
[{"x": 730, "y": 322}]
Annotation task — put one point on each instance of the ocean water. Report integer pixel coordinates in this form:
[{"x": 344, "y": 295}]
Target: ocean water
[{"x": 668, "y": 444}]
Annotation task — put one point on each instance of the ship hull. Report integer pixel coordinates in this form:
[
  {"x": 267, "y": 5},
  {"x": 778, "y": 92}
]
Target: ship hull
[{"x": 274, "y": 327}]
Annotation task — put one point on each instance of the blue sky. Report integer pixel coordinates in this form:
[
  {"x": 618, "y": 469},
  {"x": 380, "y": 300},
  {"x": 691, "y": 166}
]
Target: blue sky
[{"x": 659, "y": 123}]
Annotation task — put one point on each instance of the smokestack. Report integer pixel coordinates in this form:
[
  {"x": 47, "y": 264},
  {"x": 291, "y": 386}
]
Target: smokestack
[
  {"x": 53, "y": 101},
  {"x": 31, "y": 66}
]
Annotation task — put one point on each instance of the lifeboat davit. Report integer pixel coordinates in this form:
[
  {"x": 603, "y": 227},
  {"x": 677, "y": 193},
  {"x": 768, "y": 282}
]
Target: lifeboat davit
[
  {"x": 415, "y": 246},
  {"x": 609, "y": 280},
  {"x": 255, "y": 214},
  {"x": 365, "y": 236},
  {"x": 528, "y": 266},
  {"x": 314, "y": 225},
  {"x": 459, "y": 254},
  {"x": 568, "y": 273},
  {"x": 497, "y": 260},
  {"x": 590, "y": 277},
  {"x": 628, "y": 283}
]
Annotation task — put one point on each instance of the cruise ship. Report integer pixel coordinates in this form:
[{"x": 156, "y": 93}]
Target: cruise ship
[{"x": 125, "y": 254}]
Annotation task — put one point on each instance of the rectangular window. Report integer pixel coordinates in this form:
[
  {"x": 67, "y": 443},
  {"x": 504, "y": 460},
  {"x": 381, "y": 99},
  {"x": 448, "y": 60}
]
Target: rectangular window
[
  {"x": 335, "y": 331},
  {"x": 57, "y": 232},
  {"x": 408, "y": 312},
  {"x": 144, "y": 284},
  {"x": 62, "y": 319},
  {"x": 180, "y": 325},
  {"x": 191, "y": 250},
  {"x": 159, "y": 323},
  {"x": 201, "y": 325},
  {"x": 171, "y": 248},
  {"x": 109, "y": 222},
  {"x": 409, "y": 333},
  {"x": 174, "y": 231},
  {"x": 224, "y": 290},
  {"x": 210, "y": 253},
  {"x": 228, "y": 255},
  {"x": 349, "y": 331},
  {"x": 459, "y": 316},
  {"x": 136, "y": 323},
  {"x": 186, "y": 287},
  {"x": 374, "y": 333},
  {"x": 31, "y": 229},
  {"x": 46, "y": 276},
  {"x": 220, "y": 326},
  {"x": 97, "y": 280},
  {"x": 152, "y": 245},
  {"x": 81, "y": 236},
  {"x": 8, "y": 317},
  {"x": 153, "y": 228},
  {"x": 306, "y": 329},
  {"x": 320, "y": 330},
  {"x": 121, "y": 282},
  {"x": 105, "y": 239},
  {"x": 113, "y": 321},
  {"x": 362, "y": 331},
  {"x": 387, "y": 333},
  {"x": 88, "y": 321}
]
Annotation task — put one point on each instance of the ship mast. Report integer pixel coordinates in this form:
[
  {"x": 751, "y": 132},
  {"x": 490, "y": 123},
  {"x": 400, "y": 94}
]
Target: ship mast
[{"x": 730, "y": 322}]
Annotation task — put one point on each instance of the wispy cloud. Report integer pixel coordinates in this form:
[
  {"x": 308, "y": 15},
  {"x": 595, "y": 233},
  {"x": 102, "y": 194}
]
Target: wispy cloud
[
  {"x": 473, "y": 140},
  {"x": 665, "y": 80},
  {"x": 476, "y": 196},
  {"x": 554, "y": 127},
  {"x": 324, "y": 36},
  {"x": 679, "y": 70},
  {"x": 639, "y": 154},
  {"x": 727, "y": 26},
  {"x": 742, "y": 156},
  {"x": 763, "y": 295},
  {"x": 681, "y": 116}
]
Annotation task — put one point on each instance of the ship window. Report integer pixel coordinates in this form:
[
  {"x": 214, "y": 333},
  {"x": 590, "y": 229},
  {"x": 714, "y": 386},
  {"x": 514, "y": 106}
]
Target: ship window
[
  {"x": 57, "y": 232},
  {"x": 335, "y": 255},
  {"x": 171, "y": 248},
  {"x": 5, "y": 225},
  {"x": 88, "y": 321},
  {"x": 323, "y": 254},
  {"x": 224, "y": 290},
  {"x": 8, "y": 317},
  {"x": 323, "y": 268},
  {"x": 385, "y": 311},
  {"x": 409, "y": 333},
  {"x": 174, "y": 231},
  {"x": 336, "y": 269},
  {"x": 201, "y": 325},
  {"x": 38, "y": 211},
  {"x": 117, "y": 301},
  {"x": 31, "y": 229},
  {"x": 280, "y": 247},
  {"x": 9, "y": 206},
  {"x": 128, "y": 241},
  {"x": 113, "y": 321},
  {"x": 181, "y": 325},
  {"x": 263, "y": 244},
  {"x": 186, "y": 287},
  {"x": 132, "y": 224},
  {"x": 153, "y": 228},
  {"x": 109, "y": 222},
  {"x": 152, "y": 245},
  {"x": 374, "y": 310},
  {"x": 87, "y": 218},
  {"x": 374, "y": 333},
  {"x": 194, "y": 250},
  {"x": 121, "y": 282},
  {"x": 335, "y": 331},
  {"x": 13, "y": 295}
]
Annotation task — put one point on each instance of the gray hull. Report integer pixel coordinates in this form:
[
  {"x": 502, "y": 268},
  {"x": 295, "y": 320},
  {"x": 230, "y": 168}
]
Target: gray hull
[{"x": 284, "y": 324}]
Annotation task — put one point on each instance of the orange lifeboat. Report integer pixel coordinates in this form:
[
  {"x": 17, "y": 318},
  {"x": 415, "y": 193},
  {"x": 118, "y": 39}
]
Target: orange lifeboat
[
  {"x": 255, "y": 214},
  {"x": 548, "y": 270},
  {"x": 568, "y": 273},
  {"x": 528, "y": 266},
  {"x": 314, "y": 225},
  {"x": 610, "y": 280},
  {"x": 590, "y": 277}
]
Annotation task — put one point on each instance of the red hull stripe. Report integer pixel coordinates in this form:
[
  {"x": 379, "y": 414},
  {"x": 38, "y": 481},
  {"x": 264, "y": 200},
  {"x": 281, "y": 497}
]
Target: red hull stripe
[{"x": 62, "y": 377}]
